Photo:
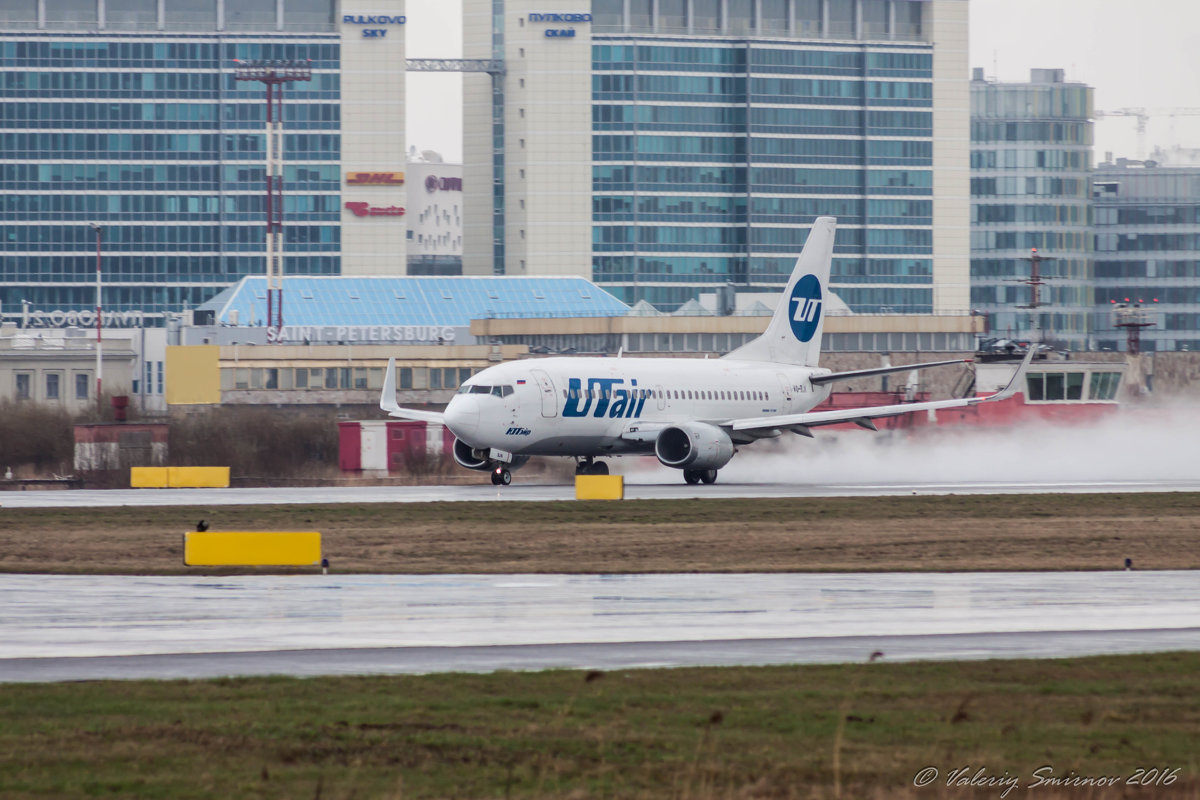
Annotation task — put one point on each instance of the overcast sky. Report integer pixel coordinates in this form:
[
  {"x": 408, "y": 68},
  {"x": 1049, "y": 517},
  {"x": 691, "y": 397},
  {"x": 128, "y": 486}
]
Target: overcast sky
[{"x": 1143, "y": 54}]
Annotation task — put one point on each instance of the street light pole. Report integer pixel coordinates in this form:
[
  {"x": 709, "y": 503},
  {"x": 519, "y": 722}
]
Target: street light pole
[{"x": 99, "y": 340}]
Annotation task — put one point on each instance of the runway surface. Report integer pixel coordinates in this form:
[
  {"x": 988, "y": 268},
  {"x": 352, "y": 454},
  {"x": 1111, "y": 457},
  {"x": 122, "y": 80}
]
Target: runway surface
[
  {"x": 676, "y": 489},
  {"x": 88, "y": 627}
]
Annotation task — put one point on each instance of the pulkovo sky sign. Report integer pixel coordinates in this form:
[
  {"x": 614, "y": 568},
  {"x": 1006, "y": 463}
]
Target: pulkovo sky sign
[
  {"x": 560, "y": 19},
  {"x": 375, "y": 20}
]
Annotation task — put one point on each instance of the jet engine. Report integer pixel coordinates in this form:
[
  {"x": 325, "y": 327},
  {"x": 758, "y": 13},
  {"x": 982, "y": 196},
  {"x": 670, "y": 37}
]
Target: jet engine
[
  {"x": 477, "y": 458},
  {"x": 694, "y": 445},
  {"x": 470, "y": 457}
]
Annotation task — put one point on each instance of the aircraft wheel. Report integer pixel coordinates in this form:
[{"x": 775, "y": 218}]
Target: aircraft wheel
[
  {"x": 708, "y": 475},
  {"x": 582, "y": 467},
  {"x": 692, "y": 476},
  {"x": 501, "y": 477},
  {"x": 599, "y": 468}
]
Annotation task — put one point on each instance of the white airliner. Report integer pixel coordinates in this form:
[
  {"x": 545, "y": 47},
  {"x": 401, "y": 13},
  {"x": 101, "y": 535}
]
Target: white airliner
[{"x": 692, "y": 414}]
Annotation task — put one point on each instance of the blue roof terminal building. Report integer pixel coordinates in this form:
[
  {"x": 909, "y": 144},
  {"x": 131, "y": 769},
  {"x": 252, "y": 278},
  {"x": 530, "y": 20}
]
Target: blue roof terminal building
[{"x": 387, "y": 310}]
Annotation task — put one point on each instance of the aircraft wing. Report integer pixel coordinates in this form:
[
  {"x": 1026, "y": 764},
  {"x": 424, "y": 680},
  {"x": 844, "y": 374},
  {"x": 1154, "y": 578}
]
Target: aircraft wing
[
  {"x": 387, "y": 400},
  {"x": 863, "y": 416},
  {"x": 866, "y": 373}
]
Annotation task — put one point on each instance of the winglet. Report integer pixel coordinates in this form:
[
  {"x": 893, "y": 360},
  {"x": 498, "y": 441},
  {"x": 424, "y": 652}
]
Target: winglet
[
  {"x": 387, "y": 399},
  {"x": 1015, "y": 382}
]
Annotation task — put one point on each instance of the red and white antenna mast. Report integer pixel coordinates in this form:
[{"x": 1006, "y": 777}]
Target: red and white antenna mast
[{"x": 274, "y": 74}]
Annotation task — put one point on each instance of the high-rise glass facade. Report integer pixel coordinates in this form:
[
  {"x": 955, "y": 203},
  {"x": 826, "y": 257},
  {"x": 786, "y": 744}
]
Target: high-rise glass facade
[
  {"x": 719, "y": 130},
  {"x": 137, "y": 125},
  {"x": 1147, "y": 241},
  {"x": 711, "y": 159},
  {"x": 1031, "y": 151}
]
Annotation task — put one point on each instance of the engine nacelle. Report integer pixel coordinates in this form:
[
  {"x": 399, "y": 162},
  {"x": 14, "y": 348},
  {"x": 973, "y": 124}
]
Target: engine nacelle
[
  {"x": 477, "y": 458},
  {"x": 469, "y": 457},
  {"x": 694, "y": 445}
]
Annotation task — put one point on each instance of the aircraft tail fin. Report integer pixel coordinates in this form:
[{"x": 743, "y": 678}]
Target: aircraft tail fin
[{"x": 794, "y": 333}]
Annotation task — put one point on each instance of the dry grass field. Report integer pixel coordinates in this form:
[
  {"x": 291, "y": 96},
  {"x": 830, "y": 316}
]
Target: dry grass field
[{"x": 1000, "y": 532}]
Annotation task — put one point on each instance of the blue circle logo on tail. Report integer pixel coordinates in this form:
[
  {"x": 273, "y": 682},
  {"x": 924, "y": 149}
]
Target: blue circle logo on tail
[{"x": 804, "y": 307}]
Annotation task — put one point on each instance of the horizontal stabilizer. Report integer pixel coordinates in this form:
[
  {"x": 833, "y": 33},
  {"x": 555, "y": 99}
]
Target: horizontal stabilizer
[{"x": 866, "y": 373}]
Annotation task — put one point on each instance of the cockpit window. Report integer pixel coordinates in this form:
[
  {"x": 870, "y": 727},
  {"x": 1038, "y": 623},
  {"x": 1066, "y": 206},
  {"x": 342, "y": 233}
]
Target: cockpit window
[
  {"x": 495, "y": 391},
  {"x": 478, "y": 389}
]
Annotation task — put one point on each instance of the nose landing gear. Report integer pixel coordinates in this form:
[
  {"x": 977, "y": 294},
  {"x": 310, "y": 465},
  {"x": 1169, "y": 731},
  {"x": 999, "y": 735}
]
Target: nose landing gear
[{"x": 501, "y": 477}]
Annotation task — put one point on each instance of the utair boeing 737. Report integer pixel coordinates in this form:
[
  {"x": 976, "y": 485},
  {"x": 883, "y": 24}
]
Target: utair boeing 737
[{"x": 692, "y": 414}]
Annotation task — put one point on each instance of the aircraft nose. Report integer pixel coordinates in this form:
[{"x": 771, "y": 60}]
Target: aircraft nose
[{"x": 462, "y": 416}]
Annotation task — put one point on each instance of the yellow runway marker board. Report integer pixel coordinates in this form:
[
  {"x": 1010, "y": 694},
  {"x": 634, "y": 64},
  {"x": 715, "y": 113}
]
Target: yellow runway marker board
[
  {"x": 198, "y": 477},
  {"x": 147, "y": 477},
  {"x": 179, "y": 477},
  {"x": 599, "y": 487},
  {"x": 252, "y": 549}
]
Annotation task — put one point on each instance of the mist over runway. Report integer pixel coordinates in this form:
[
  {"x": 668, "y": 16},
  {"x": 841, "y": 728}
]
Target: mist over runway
[{"x": 1155, "y": 451}]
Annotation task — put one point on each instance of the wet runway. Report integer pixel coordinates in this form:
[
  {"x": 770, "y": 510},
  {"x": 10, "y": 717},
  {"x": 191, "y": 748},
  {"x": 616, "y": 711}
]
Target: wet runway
[
  {"x": 84, "y": 627},
  {"x": 675, "y": 489}
]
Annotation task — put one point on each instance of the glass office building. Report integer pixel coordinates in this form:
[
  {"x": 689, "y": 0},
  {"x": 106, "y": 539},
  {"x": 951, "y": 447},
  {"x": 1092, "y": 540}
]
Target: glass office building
[
  {"x": 1031, "y": 167},
  {"x": 126, "y": 114},
  {"x": 1147, "y": 240},
  {"x": 711, "y": 133}
]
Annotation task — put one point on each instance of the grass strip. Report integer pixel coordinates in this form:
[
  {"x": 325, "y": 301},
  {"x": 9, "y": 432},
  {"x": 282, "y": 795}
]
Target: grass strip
[{"x": 767, "y": 732}]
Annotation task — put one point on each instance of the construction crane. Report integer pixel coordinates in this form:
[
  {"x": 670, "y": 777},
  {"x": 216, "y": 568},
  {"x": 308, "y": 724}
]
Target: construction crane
[{"x": 1143, "y": 115}]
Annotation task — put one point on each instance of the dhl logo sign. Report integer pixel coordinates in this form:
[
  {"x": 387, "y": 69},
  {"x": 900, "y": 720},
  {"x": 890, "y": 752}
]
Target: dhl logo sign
[{"x": 375, "y": 178}]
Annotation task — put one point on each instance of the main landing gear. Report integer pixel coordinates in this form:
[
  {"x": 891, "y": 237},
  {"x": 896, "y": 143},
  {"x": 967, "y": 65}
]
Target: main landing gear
[
  {"x": 694, "y": 476},
  {"x": 501, "y": 477},
  {"x": 587, "y": 466}
]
